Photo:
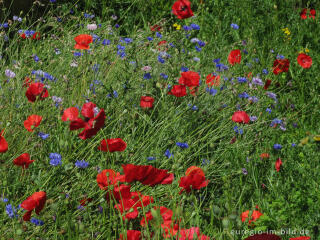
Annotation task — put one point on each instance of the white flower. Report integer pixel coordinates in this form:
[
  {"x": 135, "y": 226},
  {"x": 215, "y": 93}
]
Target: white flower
[
  {"x": 92, "y": 26},
  {"x": 146, "y": 68}
]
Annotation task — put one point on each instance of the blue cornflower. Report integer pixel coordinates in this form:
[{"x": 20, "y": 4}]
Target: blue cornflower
[
  {"x": 11, "y": 211},
  {"x": 196, "y": 59},
  {"x": 293, "y": 145},
  {"x": 198, "y": 49},
  {"x": 106, "y": 42},
  {"x": 128, "y": 40},
  {"x": 257, "y": 81},
  {"x": 277, "y": 146},
  {"x": 275, "y": 121},
  {"x": 37, "y": 221},
  {"x": 234, "y": 26},
  {"x": 172, "y": 45},
  {"x": 115, "y": 94},
  {"x": 160, "y": 59},
  {"x": 205, "y": 162},
  {"x": 201, "y": 43},
  {"x": 211, "y": 91},
  {"x": 151, "y": 158},
  {"x": 55, "y": 159},
  {"x": 36, "y": 58},
  {"x": 221, "y": 67},
  {"x": 164, "y": 76},
  {"x": 242, "y": 80},
  {"x": 268, "y": 110},
  {"x": 184, "y": 69},
  {"x": 158, "y": 35},
  {"x": 150, "y": 38},
  {"x": 195, "y": 26},
  {"x": 253, "y": 99},
  {"x": 280, "y": 56},
  {"x": 117, "y": 25},
  {"x": 77, "y": 54},
  {"x": 265, "y": 71},
  {"x": 182, "y": 145},
  {"x": 43, "y": 136},
  {"x": 194, "y": 40},
  {"x": 253, "y": 118},
  {"x": 272, "y": 95},
  {"x": 238, "y": 130},
  {"x": 244, "y": 95},
  {"x": 168, "y": 154},
  {"x": 187, "y": 28},
  {"x": 81, "y": 164},
  {"x": 147, "y": 76},
  {"x": 217, "y": 60}
]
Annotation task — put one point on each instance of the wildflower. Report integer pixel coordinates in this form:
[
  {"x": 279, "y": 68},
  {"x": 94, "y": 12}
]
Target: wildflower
[
  {"x": 182, "y": 9},
  {"x": 23, "y": 160},
  {"x": 36, "y": 201},
  {"x": 151, "y": 158},
  {"x": 278, "y": 164},
  {"x": 244, "y": 171},
  {"x": 116, "y": 25},
  {"x": 155, "y": 28},
  {"x": 189, "y": 78},
  {"x": 272, "y": 95},
  {"x": 168, "y": 154},
  {"x": 3, "y": 143},
  {"x": 265, "y": 71},
  {"x": 257, "y": 81},
  {"x": 146, "y": 68},
  {"x": 234, "y": 57},
  {"x": 177, "y": 26},
  {"x": 238, "y": 130},
  {"x": 304, "y": 60},
  {"x": 55, "y": 159},
  {"x": 267, "y": 84},
  {"x": 277, "y": 146},
  {"x": 83, "y": 41},
  {"x": 201, "y": 43},
  {"x": 146, "y": 174},
  {"x": 36, "y": 89},
  {"x": 150, "y": 38},
  {"x": 9, "y": 73},
  {"x": 264, "y": 156},
  {"x": 253, "y": 99},
  {"x": 211, "y": 91},
  {"x": 280, "y": 65},
  {"x": 194, "y": 178},
  {"x": 303, "y": 13},
  {"x": 160, "y": 60},
  {"x": 106, "y": 42},
  {"x": 92, "y": 27},
  {"x": 146, "y": 102},
  {"x": 34, "y": 220},
  {"x": 213, "y": 80},
  {"x": 32, "y": 122},
  {"x": 178, "y": 91},
  {"x": 196, "y": 59},
  {"x": 242, "y": 79},
  {"x": 147, "y": 76},
  {"x": 11, "y": 211},
  {"x": 194, "y": 40},
  {"x": 253, "y": 118},
  {"x": 164, "y": 76},
  {"x": 234, "y": 26},
  {"x": 131, "y": 235},
  {"x": 108, "y": 177},
  {"x": 43, "y": 136},
  {"x": 293, "y": 145},
  {"x": 195, "y": 26},
  {"x": 81, "y": 164},
  {"x": 112, "y": 145},
  {"x": 182, "y": 145},
  {"x": 240, "y": 117},
  {"x": 254, "y": 216},
  {"x": 192, "y": 233},
  {"x": 268, "y": 110},
  {"x": 243, "y": 95}
]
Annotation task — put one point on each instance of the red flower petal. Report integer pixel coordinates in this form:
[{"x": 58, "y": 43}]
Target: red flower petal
[
  {"x": 182, "y": 9},
  {"x": 301, "y": 238},
  {"x": 83, "y": 41},
  {"x": 112, "y": 145},
  {"x": 36, "y": 89},
  {"x": 178, "y": 91},
  {"x": 35, "y": 201},
  {"x": 212, "y": 80},
  {"x": 189, "y": 79},
  {"x": 88, "y": 110},
  {"x": 146, "y": 102},
  {"x": 280, "y": 65},
  {"x": 32, "y": 121},
  {"x": 267, "y": 84},
  {"x": 131, "y": 235},
  {"x": 105, "y": 178},
  {"x": 234, "y": 57},
  {"x": 240, "y": 117},
  {"x": 304, "y": 60},
  {"x": 70, "y": 114},
  {"x": 278, "y": 164},
  {"x": 3, "y": 143},
  {"x": 23, "y": 160}
]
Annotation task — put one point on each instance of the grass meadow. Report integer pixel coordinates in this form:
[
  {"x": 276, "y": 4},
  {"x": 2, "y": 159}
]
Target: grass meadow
[{"x": 151, "y": 126}]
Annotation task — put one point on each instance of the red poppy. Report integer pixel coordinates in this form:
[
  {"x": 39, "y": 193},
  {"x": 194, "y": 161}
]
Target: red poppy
[
  {"x": 281, "y": 65},
  {"x": 192, "y": 233},
  {"x": 182, "y": 9},
  {"x": 23, "y": 160},
  {"x": 304, "y": 60},
  {"x": 264, "y": 156},
  {"x": 112, "y": 145},
  {"x": 278, "y": 164},
  {"x": 36, "y": 89},
  {"x": 194, "y": 178},
  {"x": 155, "y": 28},
  {"x": 167, "y": 224},
  {"x": 92, "y": 124},
  {"x": 3, "y": 143},
  {"x": 146, "y": 174},
  {"x": 301, "y": 238},
  {"x": 70, "y": 114},
  {"x": 146, "y": 102},
  {"x": 23, "y": 35},
  {"x": 27, "y": 82},
  {"x": 36, "y": 36},
  {"x": 267, "y": 84},
  {"x": 263, "y": 236},
  {"x": 83, "y": 202},
  {"x": 35, "y": 201},
  {"x": 303, "y": 13},
  {"x": 162, "y": 42},
  {"x": 213, "y": 80},
  {"x": 131, "y": 235},
  {"x": 240, "y": 117},
  {"x": 83, "y": 41},
  {"x": 32, "y": 122},
  {"x": 254, "y": 216},
  {"x": 108, "y": 177},
  {"x": 234, "y": 57},
  {"x": 189, "y": 78},
  {"x": 119, "y": 192},
  {"x": 178, "y": 91}
]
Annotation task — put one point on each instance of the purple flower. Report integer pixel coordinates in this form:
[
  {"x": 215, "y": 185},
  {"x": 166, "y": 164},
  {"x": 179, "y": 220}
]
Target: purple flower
[
  {"x": 244, "y": 171},
  {"x": 257, "y": 81},
  {"x": 234, "y": 26},
  {"x": 168, "y": 154},
  {"x": 9, "y": 73},
  {"x": 277, "y": 146},
  {"x": 81, "y": 164},
  {"x": 55, "y": 159}
]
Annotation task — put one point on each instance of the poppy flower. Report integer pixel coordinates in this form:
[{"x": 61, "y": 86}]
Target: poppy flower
[
  {"x": 303, "y": 13},
  {"x": 36, "y": 36},
  {"x": 301, "y": 238},
  {"x": 178, "y": 91},
  {"x": 194, "y": 178},
  {"x": 35, "y": 201},
  {"x": 189, "y": 78},
  {"x": 267, "y": 84},
  {"x": 254, "y": 216},
  {"x": 190, "y": 234},
  {"x": 182, "y": 9},
  {"x": 146, "y": 174},
  {"x": 83, "y": 41},
  {"x": 36, "y": 89},
  {"x": 146, "y": 102},
  {"x": 240, "y": 117},
  {"x": 263, "y": 236},
  {"x": 131, "y": 235},
  {"x": 112, "y": 145},
  {"x": 23, "y": 160},
  {"x": 280, "y": 65},
  {"x": 70, "y": 114},
  {"x": 83, "y": 202},
  {"x": 32, "y": 122},
  {"x": 155, "y": 28},
  {"x": 213, "y": 80},
  {"x": 3, "y": 143},
  {"x": 234, "y": 57},
  {"x": 278, "y": 164},
  {"x": 108, "y": 177},
  {"x": 304, "y": 60},
  {"x": 23, "y": 35},
  {"x": 264, "y": 156},
  {"x": 27, "y": 82}
]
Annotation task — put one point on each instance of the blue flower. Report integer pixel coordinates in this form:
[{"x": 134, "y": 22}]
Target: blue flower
[
  {"x": 158, "y": 35},
  {"x": 115, "y": 94},
  {"x": 168, "y": 154},
  {"x": 182, "y": 145},
  {"x": 242, "y": 80},
  {"x": 128, "y": 40},
  {"x": 11, "y": 211},
  {"x": 117, "y": 25},
  {"x": 211, "y": 91},
  {"x": 106, "y": 42},
  {"x": 198, "y": 49},
  {"x": 253, "y": 118},
  {"x": 244, "y": 171},
  {"x": 195, "y": 26},
  {"x": 160, "y": 59},
  {"x": 265, "y": 71},
  {"x": 217, "y": 60},
  {"x": 257, "y": 81},
  {"x": 55, "y": 159},
  {"x": 253, "y": 99},
  {"x": 151, "y": 158},
  {"x": 184, "y": 69},
  {"x": 234, "y": 26},
  {"x": 187, "y": 28},
  {"x": 81, "y": 164},
  {"x": 277, "y": 146},
  {"x": 275, "y": 121},
  {"x": 147, "y": 76},
  {"x": 164, "y": 76},
  {"x": 36, "y": 58},
  {"x": 37, "y": 221},
  {"x": 272, "y": 95},
  {"x": 150, "y": 38},
  {"x": 238, "y": 130},
  {"x": 268, "y": 110},
  {"x": 293, "y": 145},
  {"x": 243, "y": 95},
  {"x": 201, "y": 43},
  {"x": 43, "y": 136}
]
